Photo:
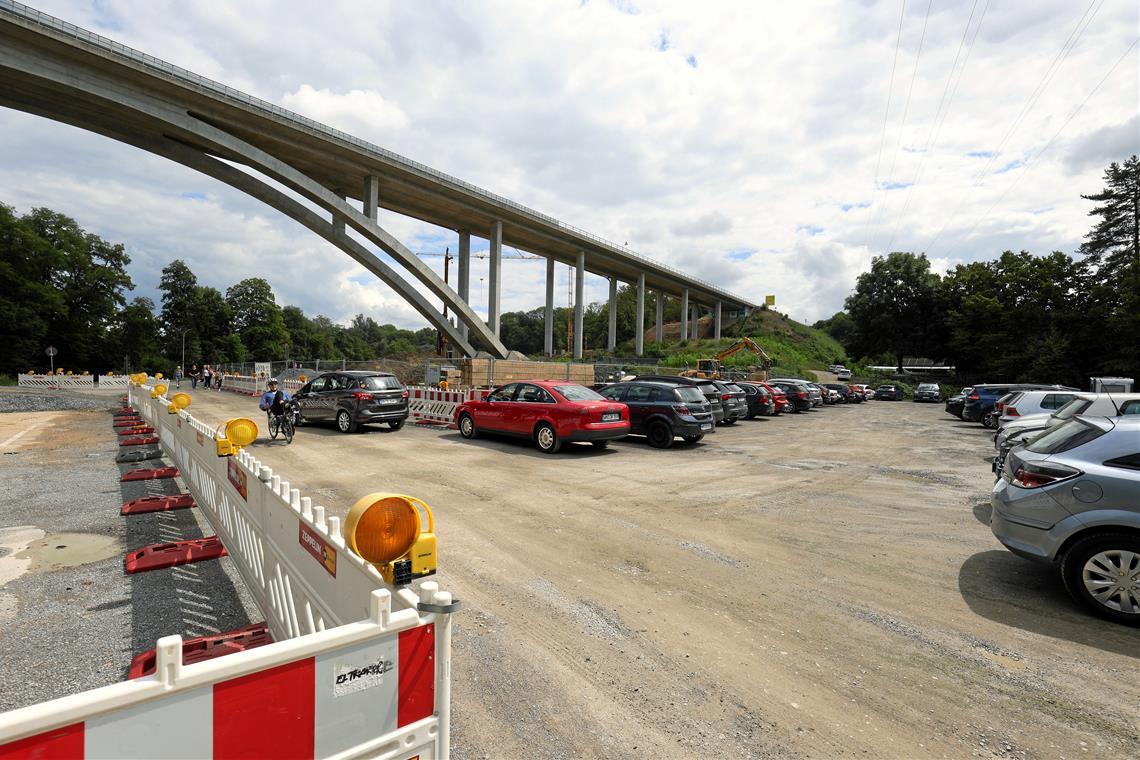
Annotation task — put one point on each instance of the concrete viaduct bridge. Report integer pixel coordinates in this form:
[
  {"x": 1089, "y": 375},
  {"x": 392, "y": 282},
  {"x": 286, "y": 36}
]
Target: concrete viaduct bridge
[{"x": 63, "y": 72}]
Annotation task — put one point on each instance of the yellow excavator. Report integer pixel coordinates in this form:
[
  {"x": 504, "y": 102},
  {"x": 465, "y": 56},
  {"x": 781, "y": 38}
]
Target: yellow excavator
[{"x": 714, "y": 368}]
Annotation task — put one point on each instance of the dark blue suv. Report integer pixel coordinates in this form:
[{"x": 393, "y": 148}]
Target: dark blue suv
[
  {"x": 983, "y": 397},
  {"x": 660, "y": 411}
]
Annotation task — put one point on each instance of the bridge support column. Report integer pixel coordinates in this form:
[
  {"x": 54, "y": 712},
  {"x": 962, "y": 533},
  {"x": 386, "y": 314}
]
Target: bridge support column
[
  {"x": 611, "y": 343},
  {"x": 464, "y": 283},
  {"x": 685, "y": 314},
  {"x": 494, "y": 280},
  {"x": 694, "y": 327},
  {"x": 579, "y": 296},
  {"x": 716, "y": 322},
  {"x": 548, "y": 340},
  {"x": 639, "y": 334},
  {"x": 659, "y": 328},
  {"x": 371, "y": 196}
]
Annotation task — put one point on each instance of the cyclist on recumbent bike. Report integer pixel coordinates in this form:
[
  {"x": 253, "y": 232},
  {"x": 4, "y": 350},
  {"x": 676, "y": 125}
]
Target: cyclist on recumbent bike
[{"x": 278, "y": 406}]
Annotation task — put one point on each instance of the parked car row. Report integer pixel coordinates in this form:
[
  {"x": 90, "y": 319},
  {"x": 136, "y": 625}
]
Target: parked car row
[
  {"x": 984, "y": 403},
  {"x": 1067, "y": 489}
]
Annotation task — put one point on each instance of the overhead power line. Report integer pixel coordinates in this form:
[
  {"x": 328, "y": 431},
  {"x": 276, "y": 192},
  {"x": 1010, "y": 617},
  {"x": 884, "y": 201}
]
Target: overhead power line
[
  {"x": 1031, "y": 162},
  {"x": 906, "y": 107},
  {"x": 886, "y": 115},
  {"x": 1062, "y": 54},
  {"x": 949, "y": 91}
]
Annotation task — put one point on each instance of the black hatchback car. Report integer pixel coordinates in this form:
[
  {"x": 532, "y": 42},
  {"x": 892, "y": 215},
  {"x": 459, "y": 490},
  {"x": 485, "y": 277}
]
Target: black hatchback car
[
  {"x": 661, "y": 411},
  {"x": 760, "y": 401},
  {"x": 708, "y": 389},
  {"x": 354, "y": 398}
]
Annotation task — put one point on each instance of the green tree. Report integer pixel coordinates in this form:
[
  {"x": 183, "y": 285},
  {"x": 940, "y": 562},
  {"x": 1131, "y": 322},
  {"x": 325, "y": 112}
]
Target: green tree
[
  {"x": 895, "y": 307},
  {"x": 181, "y": 310},
  {"x": 134, "y": 341},
  {"x": 29, "y": 300},
  {"x": 257, "y": 319}
]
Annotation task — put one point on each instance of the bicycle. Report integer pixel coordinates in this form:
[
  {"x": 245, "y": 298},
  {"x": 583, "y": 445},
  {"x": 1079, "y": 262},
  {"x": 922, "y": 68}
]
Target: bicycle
[{"x": 284, "y": 423}]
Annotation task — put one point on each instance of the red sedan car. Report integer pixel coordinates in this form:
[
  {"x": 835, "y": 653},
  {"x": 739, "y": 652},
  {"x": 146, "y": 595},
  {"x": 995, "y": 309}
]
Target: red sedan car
[
  {"x": 778, "y": 396},
  {"x": 551, "y": 412}
]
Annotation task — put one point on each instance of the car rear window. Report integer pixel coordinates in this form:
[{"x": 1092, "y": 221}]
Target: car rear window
[
  {"x": 578, "y": 393},
  {"x": 1076, "y": 406},
  {"x": 380, "y": 383},
  {"x": 1064, "y": 437},
  {"x": 708, "y": 389},
  {"x": 689, "y": 394},
  {"x": 734, "y": 388}
]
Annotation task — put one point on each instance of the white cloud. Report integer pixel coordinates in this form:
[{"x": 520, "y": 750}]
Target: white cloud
[{"x": 580, "y": 112}]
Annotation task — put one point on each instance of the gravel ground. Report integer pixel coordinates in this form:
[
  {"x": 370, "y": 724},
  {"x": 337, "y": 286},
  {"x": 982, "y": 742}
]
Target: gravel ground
[{"x": 70, "y": 618}]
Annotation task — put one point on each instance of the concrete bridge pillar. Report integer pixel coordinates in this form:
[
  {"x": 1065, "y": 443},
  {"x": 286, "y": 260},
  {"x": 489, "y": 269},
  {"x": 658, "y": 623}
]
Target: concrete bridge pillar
[
  {"x": 639, "y": 334},
  {"x": 464, "y": 284},
  {"x": 494, "y": 278},
  {"x": 548, "y": 340},
  {"x": 716, "y": 322},
  {"x": 611, "y": 343},
  {"x": 693, "y": 327},
  {"x": 579, "y": 296},
  {"x": 659, "y": 329},
  {"x": 371, "y": 196},
  {"x": 684, "y": 314}
]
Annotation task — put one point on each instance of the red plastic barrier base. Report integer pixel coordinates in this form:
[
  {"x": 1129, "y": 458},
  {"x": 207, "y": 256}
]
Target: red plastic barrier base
[
  {"x": 142, "y": 441},
  {"x": 207, "y": 648},
  {"x": 138, "y": 430},
  {"x": 125, "y": 411},
  {"x": 157, "y": 504},
  {"x": 162, "y": 556},
  {"x": 157, "y": 473},
  {"x": 128, "y": 422}
]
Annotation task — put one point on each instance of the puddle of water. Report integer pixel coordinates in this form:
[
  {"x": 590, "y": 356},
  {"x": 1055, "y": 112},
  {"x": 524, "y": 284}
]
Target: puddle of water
[{"x": 56, "y": 551}]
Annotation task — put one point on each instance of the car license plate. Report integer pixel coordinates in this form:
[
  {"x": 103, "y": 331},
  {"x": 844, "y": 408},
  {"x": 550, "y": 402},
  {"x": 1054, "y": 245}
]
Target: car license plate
[
  {"x": 611, "y": 416},
  {"x": 706, "y": 427},
  {"x": 390, "y": 400}
]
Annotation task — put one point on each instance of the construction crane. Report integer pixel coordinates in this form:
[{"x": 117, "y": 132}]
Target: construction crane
[{"x": 714, "y": 368}]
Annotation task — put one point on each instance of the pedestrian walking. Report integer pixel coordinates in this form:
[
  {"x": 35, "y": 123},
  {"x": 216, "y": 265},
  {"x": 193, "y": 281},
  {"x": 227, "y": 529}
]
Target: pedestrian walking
[
  {"x": 178, "y": 377},
  {"x": 218, "y": 378},
  {"x": 207, "y": 375},
  {"x": 195, "y": 376}
]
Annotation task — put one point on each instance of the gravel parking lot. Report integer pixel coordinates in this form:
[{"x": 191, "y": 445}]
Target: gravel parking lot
[{"x": 822, "y": 584}]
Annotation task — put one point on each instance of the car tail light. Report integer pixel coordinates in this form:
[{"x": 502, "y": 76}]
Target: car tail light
[
  {"x": 1011, "y": 411},
  {"x": 681, "y": 409},
  {"x": 801, "y": 394},
  {"x": 726, "y": 397},
  {"x": 362, "y": 395},
  {"x": 1037, "y": 474},
  {"x": 974, "y": 396}
]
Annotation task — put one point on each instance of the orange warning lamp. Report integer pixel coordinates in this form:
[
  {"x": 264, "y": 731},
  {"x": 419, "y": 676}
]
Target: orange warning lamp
[
  {"x": 387, "y": 530},
  {"x": 159, "y": 390},
  {"x": 239, "y": 432}
]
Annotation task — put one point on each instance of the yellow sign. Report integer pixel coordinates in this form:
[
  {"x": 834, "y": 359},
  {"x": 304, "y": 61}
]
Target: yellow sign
[{"x": 769, "y": 300}]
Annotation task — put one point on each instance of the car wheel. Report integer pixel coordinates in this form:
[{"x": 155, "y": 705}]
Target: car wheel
[
  {"x": 467, "y": 426},
  {"x": 546, "y": 438},
  {"x": 1103, "y": 573},
  {"x": 396, "y": 424},
  {"x": 729, "y": 420},
  {"x": 660, "y": 435},
  {"x": 600, "y": 444},
  {"x": 344, "y": 422},
  {"x": 750, "y": 416},
  {"x": 691, "y": 438},
  {"x": 990, "y": 421}
]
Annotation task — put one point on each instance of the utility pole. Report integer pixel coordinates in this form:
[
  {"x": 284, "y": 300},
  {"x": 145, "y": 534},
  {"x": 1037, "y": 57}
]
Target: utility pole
[{"x": 441, "y": 343}]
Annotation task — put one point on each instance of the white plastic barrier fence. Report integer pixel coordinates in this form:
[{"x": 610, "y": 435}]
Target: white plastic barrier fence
[
  {"x": 113, "y": 381},
  {"x": 254, "y": 385},
  {"x": 426, "y": 403},
  {"x": 54, "y": 382},
  {"x": 366, "y": 689},
  {"x": 292, "y": 556}
]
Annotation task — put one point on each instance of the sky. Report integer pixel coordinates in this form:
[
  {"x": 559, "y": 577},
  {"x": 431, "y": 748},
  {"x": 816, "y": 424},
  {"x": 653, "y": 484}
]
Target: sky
[{"x": 769, "y": 148}]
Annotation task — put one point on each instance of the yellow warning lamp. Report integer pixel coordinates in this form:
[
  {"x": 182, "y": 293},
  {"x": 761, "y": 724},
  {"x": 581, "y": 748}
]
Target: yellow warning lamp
[
  {"x": 302, "y": 379},
  {"x": 159, "y": 390},
  {"x": 239, "y": 432},
  {"x": 157, "y": 375},
  {"x": 179, "y": 402},
  {"x": 387, "y": 530}
]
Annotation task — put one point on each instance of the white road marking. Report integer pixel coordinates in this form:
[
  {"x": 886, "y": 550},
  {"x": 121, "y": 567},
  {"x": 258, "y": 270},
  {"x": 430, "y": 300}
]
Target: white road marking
[{"x": 21, "y": 434}]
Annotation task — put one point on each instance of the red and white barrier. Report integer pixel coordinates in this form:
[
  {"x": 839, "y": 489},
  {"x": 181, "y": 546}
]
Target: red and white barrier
[
  {"x": 357, "y": 668},
  {"x": 367, "y": 689},
  {"x": 56, "y": 382}
]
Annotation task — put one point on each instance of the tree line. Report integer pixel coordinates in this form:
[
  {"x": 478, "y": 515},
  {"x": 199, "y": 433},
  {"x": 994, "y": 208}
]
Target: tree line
[
  {"x": 1019, "y": 317},
  {"x": 65, "y": 287}
]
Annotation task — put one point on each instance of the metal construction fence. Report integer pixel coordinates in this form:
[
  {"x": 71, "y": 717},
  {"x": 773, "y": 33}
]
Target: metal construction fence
[{"x": 358, "y": 668}]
